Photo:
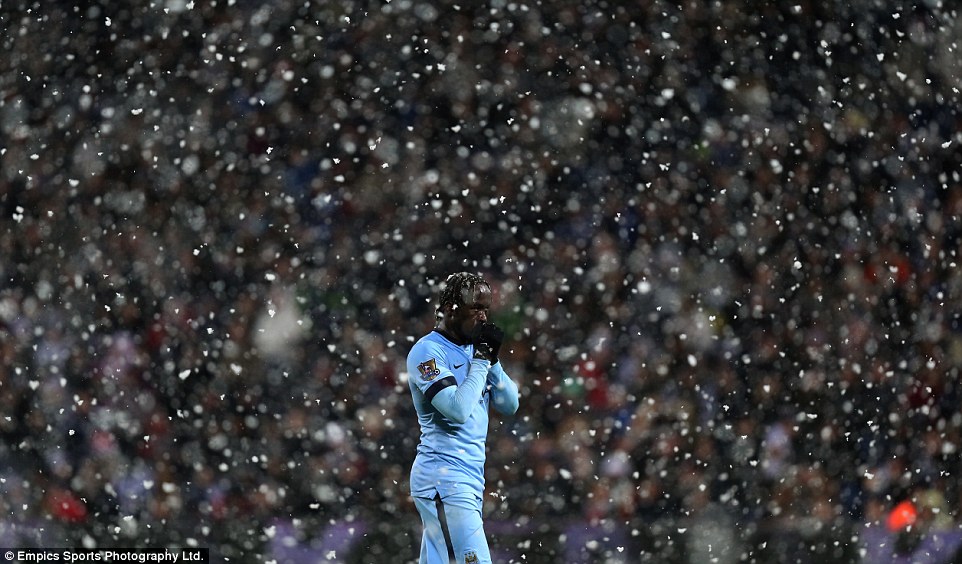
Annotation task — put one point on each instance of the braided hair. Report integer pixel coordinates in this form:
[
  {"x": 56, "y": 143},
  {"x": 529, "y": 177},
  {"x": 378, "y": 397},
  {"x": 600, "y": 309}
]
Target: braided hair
[{"x": 452, "y": 293}]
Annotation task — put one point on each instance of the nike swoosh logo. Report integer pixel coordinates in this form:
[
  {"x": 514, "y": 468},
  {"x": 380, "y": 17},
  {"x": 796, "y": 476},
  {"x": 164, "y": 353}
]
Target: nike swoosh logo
[{"x": 456, "y": 366}]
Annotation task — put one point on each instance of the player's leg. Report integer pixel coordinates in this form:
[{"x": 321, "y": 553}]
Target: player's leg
[
  {"x": 435, "y": 540},
  {"x": 463, "y": 516}
]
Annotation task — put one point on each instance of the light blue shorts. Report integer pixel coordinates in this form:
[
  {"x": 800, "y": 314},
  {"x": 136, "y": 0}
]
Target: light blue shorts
[{"x": 453, "y": 531}]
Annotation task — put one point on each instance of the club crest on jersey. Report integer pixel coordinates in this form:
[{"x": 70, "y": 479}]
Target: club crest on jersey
[
  {"x": 429, "y": 370},
  {"x": 470, "y": 556}
]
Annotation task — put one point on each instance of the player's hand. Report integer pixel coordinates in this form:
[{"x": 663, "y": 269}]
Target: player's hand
[{"x": 487, "y": 338}]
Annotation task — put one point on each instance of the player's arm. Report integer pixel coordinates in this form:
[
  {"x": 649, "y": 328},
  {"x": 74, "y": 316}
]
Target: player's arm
[
  {"x": 487, "y": 339},
  {"x": 427, "y": 366},
  {"x": 456, "y": 402},
  {"x": 504, "y": 392}
]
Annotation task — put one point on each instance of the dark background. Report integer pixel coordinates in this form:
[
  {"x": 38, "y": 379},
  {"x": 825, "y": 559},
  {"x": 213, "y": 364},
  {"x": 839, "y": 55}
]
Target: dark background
[{"x": 724, "y": 238}]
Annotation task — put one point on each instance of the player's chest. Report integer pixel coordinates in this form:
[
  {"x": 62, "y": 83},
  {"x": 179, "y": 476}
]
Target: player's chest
[{"x": 459, "y": 360}]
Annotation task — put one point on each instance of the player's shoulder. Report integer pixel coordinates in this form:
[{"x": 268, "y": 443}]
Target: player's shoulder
[
  {"x": 432, "y": 343},
  {"x": 428, "y": 357}
]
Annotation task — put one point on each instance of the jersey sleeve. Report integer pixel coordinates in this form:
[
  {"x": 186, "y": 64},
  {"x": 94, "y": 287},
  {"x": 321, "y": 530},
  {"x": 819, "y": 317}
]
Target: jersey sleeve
[
  {"x": 456, "y": 403},
  {"x": 428, "y": 369},
  {"x": 504, "y": 391}
]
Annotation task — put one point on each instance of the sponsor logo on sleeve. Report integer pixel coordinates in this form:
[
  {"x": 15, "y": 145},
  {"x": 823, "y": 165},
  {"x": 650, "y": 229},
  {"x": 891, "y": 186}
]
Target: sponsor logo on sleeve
[{"x": 429, "y": 370}]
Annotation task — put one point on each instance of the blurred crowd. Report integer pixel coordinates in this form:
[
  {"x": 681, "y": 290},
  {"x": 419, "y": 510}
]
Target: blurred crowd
[{"x": 724, "y": 239}]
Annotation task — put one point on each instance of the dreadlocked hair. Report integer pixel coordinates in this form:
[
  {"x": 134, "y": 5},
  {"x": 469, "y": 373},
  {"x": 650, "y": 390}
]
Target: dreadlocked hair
[{"x": 452, "y": 293}]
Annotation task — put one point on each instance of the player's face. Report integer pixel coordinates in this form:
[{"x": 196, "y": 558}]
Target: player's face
[{"x": 477, "y": 306}]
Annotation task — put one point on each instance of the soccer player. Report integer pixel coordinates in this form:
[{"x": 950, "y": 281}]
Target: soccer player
[{"x": 454, "y": 376}]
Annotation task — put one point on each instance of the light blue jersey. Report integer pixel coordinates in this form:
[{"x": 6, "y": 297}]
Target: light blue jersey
[{"x": 452, "y": 391}]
